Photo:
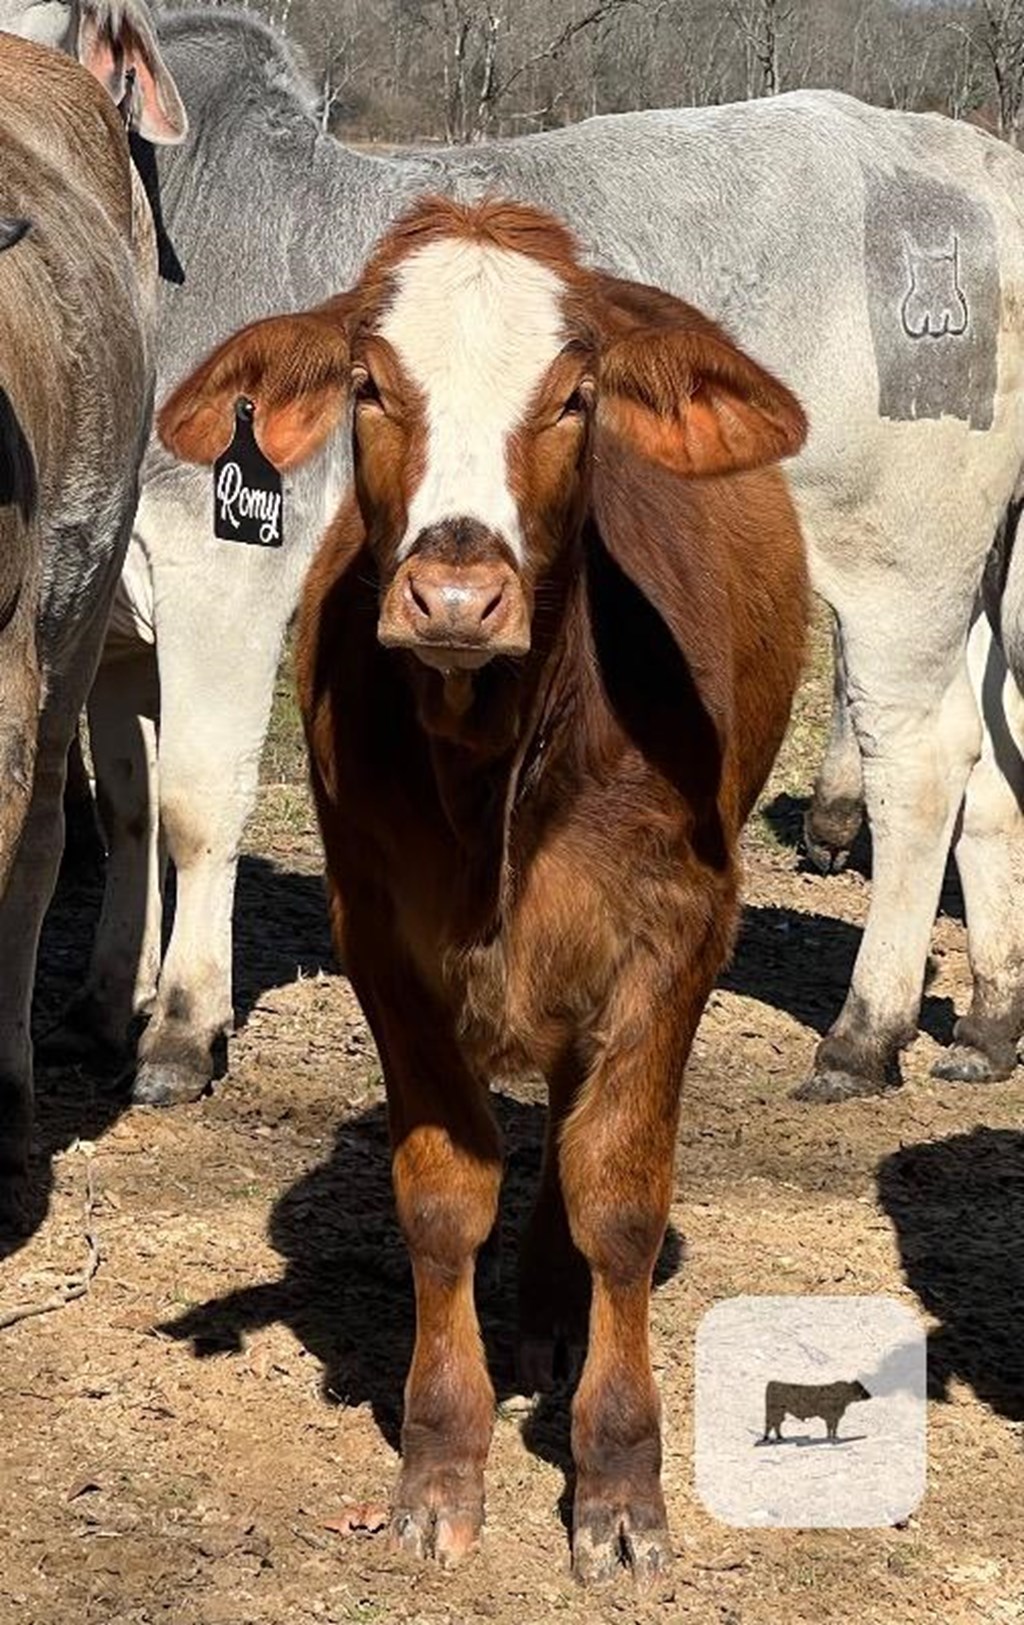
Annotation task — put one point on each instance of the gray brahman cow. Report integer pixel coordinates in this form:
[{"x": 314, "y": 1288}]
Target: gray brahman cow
[
  {"x": 873, "y": 259},
  {"x": 77, "y": 303}
]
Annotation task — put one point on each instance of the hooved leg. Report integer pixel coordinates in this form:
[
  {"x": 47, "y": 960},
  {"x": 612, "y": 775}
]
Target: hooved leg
[
  {"x": 446, "y": 1165},
  {"x": 217, "y": 667},
  {"x": 447, "y": 1197},
  {"x": 833, "y": 819},
  {"x": 617, "y": 1153},
  {"x": 125, "y": 963},
  {"x": 917, "y": 753},
  {"x": 554, "y": 1281},
  {"x": 990, "y": 857},
  {"x": 22, "y": 907}
]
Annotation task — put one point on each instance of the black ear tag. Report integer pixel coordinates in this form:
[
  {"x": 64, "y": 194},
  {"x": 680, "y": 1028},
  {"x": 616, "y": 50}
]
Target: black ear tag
[{"x": 247, "y": 500}]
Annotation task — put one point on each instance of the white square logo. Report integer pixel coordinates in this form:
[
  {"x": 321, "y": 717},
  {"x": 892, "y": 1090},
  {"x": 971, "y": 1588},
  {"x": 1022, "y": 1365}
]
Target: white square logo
[{"x": 810, "y": 1412}]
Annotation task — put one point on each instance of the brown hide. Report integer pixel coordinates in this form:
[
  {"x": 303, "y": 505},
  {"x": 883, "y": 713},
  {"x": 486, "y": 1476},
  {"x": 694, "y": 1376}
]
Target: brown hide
[
  {"x": 652, "y": 718},
  {"x": 531, "y": 840}
]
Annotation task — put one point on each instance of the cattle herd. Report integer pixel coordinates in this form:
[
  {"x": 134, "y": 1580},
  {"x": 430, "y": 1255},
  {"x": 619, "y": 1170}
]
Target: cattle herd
[{"x": 548, "y": 644}]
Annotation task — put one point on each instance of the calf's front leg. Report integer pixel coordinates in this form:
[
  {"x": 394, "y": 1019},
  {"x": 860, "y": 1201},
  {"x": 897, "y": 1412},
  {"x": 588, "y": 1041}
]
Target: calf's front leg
[
  {"x": 617, "y": 1156},
  {"x": 447, "y": 1196},
  {"x": 446, "y": 1166}
]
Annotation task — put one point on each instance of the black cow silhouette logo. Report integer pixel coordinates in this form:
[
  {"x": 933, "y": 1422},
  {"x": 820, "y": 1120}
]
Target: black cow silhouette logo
[{"x": 803, "y": 1400}]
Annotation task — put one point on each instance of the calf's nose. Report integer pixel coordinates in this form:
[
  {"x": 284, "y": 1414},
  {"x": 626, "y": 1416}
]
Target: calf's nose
[{"x": 456, "y": 609}]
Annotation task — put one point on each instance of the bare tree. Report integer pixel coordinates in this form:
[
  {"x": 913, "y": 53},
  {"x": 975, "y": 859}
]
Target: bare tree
[
  {"x": 343, "y": 56},
  {"x": 998, "y": 32},
  {"x": 466, "y": 69},
  {"x": 480, "y": 73},
  {"x": 760, "y": 24}
]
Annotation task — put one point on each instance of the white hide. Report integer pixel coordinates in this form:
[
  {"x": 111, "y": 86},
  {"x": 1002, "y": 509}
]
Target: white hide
[{"x": 476, "y": 327}]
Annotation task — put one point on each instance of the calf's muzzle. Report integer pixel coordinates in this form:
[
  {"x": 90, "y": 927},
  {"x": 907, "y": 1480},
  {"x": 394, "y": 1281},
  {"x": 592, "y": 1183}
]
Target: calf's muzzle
[{"x": 455, "y": 616}]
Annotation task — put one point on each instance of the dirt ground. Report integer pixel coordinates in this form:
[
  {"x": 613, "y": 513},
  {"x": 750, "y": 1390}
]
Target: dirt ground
[{"x": 176, "y": 1443}]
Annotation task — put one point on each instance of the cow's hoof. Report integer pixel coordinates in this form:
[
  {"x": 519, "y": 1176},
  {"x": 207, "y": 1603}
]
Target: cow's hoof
[
  {"x": 831, "y": 1085},
  {"x": 830, "y": 829},
  {"x": 964, "y": 1063},
  {"x": 545, "y": 1363},
  {"x": 168, "y": 1083},
  {"x": 607, "y": 1538},
  {"x": 828, "y": 860},
  {"x": 442, "y": 1526}
]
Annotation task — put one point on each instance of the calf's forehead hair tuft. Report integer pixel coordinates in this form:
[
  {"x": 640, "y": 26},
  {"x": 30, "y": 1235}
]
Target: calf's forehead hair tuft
[{"x": 494, "y": 222}]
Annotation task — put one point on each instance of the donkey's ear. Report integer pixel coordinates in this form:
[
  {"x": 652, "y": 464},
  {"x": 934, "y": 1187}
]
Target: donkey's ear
[
  {"x": 680, "y": 393},
  {"x": 294, "y": 368},
  {"x": 117, "y": 35}
]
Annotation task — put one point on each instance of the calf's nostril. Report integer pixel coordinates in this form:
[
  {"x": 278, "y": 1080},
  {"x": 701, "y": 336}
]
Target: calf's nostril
[
  {"x": 492, "y": 604},
  {"x": 420, "y": 600}
]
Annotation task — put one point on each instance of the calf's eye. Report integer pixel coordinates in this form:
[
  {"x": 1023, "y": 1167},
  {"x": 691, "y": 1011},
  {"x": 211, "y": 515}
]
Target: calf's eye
[{"x": 576, "y": 404}]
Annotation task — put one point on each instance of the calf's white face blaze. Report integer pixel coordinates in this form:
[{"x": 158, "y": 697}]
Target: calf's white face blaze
[{"x": 476, "y": 327}]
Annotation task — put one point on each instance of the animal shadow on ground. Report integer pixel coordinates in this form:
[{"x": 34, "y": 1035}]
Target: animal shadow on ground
[
  {"x": 801, "y": 963},
  {"x": 958, "y": 1209},
  {"x": 281, "y": 929},
  {"x": 804, "y": 1441},
  {"x": 346, "y": 1291}
]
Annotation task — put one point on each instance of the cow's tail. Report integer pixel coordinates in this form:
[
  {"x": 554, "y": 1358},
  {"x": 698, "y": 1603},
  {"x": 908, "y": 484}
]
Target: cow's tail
[{"x": 20, "y": 564}]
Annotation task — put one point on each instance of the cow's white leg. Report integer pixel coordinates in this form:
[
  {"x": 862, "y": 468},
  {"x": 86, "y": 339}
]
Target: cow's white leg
[
  {"x": 920, "y": 735},
  {"x": 125, "y": 963},
  {"x": 990, "y": 857},
  {"x": 216, "y": 686},
  {"x": 834, "y": 817}
]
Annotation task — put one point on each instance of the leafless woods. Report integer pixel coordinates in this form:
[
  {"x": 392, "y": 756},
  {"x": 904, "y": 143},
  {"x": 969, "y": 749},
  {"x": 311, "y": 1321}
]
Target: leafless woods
[{"x": 459, "y": 70}]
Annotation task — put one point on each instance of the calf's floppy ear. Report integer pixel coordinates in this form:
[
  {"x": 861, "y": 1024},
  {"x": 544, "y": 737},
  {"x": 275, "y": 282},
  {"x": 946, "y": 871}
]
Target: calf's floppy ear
[
  {"x": 676, "y": 389},
  {"x": 117, "y": 35},
  {"x": 295, "y": 369}
]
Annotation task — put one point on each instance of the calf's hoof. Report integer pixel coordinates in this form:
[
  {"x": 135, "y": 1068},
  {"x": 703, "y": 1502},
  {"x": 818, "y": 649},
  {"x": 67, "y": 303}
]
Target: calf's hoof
[
  {"x": 169, "y": 1083},
  {"x": 609, "y": 1535},
  {"x": 830, "y": 829},
  {"x": 965, "y": 1063},
  {"x": 439, "y": 1515}
]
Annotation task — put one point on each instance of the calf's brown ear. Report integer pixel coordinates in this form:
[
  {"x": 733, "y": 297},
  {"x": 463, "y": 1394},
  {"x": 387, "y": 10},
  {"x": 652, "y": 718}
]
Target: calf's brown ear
[
  {"x": 294, "y": 369},
  {"x": 115, "y": 35},
  {"x": 680, "y": 393}
]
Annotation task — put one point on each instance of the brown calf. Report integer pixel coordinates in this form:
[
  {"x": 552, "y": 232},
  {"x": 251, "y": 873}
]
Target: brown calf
[{"x": 543, "y": 676}]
